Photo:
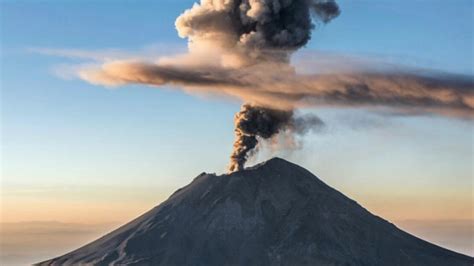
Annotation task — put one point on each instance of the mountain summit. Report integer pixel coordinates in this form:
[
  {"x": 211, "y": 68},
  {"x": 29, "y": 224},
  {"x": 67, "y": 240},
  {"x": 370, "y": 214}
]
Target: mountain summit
[{"x": 275, "y": 213}]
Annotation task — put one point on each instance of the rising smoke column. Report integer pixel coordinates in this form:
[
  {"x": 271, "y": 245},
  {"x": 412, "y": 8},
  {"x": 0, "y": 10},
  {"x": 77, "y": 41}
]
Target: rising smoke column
[
  {"x": 247, "y": 32},
  {"x": 256, "y": 122},
  {"x": 251, "y": 123}
]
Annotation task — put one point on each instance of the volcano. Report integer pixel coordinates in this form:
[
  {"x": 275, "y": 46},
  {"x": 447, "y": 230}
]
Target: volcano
[{"x": 275, "y": 213}]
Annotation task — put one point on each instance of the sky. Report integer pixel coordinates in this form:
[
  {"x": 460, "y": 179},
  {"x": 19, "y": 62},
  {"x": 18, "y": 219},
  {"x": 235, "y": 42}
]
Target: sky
[{"x": 76, "y": 153}]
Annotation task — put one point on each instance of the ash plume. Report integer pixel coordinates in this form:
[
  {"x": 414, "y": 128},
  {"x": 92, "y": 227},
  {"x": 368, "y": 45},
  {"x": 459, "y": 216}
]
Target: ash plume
[
  {"x": 253, "y": 123},
  {"x": 242, "y": 49},
  {"x": 249, "y": 31}
]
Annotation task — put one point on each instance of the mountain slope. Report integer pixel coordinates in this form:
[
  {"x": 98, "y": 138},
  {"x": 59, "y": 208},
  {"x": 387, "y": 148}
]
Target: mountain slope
[{"x": 275, "y": 213}]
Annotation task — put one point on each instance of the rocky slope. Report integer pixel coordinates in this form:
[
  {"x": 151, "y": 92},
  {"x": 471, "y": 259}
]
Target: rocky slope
[{"x": 275, "y": 213}]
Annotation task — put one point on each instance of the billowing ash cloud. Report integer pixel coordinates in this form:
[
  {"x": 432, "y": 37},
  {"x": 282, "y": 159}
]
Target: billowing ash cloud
[
  {"x": 250, "y": 31},
  {"x": 242, "y": 48},
  {"x": 255, "y": 122}
]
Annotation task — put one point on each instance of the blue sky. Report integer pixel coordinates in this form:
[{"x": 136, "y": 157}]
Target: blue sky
[{"x": 58, "y": 132}]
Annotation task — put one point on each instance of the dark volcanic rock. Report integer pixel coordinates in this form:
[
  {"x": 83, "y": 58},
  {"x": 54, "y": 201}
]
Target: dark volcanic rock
[{"x": 276, "y": 213}]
